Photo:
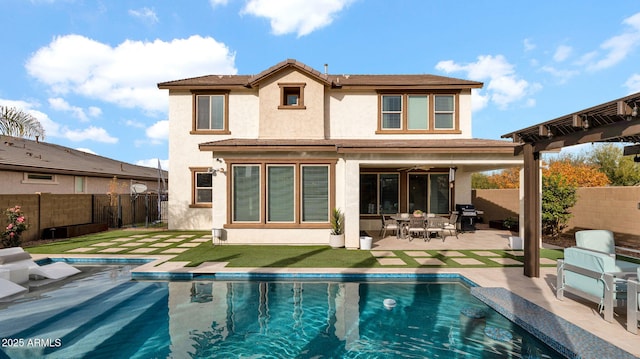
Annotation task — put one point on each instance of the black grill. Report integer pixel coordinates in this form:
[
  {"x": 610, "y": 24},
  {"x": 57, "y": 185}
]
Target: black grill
[{"x": 467, "y": 215}]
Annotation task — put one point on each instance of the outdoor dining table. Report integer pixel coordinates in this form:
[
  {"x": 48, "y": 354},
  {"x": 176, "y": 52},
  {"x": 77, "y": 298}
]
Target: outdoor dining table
[{"x": 403, "y": 224}]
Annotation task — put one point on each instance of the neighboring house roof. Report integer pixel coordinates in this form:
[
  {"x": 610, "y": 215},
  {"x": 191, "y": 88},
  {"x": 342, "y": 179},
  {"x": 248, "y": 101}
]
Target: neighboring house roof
[
  {"x": 19, "y": 154},
  {"x": 367, "y": 146},
  {"x": 380, "y": 82}
]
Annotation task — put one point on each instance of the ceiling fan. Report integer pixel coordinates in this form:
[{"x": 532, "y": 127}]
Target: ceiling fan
[{"x": 416, "y": 167}]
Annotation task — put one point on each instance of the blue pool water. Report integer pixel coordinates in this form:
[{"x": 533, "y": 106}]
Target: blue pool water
[{"x": 105, "y": 314}]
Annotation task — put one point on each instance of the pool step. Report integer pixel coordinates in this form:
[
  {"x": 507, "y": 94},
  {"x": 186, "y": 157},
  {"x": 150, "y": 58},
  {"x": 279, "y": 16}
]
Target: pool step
[{"x": 78, "y": 326}]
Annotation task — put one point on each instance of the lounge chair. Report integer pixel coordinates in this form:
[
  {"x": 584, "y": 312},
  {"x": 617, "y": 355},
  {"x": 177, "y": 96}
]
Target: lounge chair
[
  {"x": 21, "y": 267},
  {"x": 602, "y": 240},
  {"x": 594, "y": 276},
  {"x": 633, "y": 303}
]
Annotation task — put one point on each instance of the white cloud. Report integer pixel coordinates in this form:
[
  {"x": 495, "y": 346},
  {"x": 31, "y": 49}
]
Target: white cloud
[
  {"x": 503, "y": 87},
  {"x": 92, "y": 133},
  {"x": 145, "y": 14},
  {"x": 51, "y": 128},
  {"x": 528, "y": 45},
  {"x": 61, "y": 104},
  {"x": 299, "y": 16},
  {"x": 617, "y": 47},
  {"x": 562, "y": 75},
  {"x": 215, "y": 3},
  {"x": 633, "y": 83},
  {"x": 159, "y": 131},
  {"x": 126, "y": 75},
  {"x": 132, "y": 123},
  {"x": 562, "y": 53}
]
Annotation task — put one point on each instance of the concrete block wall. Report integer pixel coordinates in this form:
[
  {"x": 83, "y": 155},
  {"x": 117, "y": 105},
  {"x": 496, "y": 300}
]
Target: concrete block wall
[{"x": 614, "y": 208}]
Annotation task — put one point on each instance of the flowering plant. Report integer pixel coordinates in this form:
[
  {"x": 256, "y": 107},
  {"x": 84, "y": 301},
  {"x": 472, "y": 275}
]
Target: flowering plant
[{"x": 17, "y": 225}]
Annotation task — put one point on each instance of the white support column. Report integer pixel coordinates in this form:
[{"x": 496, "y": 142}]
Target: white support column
[{"x": 351, "y": 204}]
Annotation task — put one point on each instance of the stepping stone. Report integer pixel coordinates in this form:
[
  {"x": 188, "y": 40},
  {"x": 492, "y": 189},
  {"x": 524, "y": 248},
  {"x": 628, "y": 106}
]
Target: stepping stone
[
  {"x": 202, "y": 239},
  {"x": 515, "y": 253},
  {"x": 383, "y": 254},
  {"x": 80, "y": 250},
  {"x": 429, "y": 261},
  {"x": 189, "y": 245},
  {"x": 139, "y": 236},
  {"x": 417, "y": 254},
  {"x": 126, "y": 239},
  {"x": 113, "y": 250},
  {"x": 468, "y": 261},
  {"x": 149, "y": 239},
  {"x": 505, "y": 261},
  {"x": 143, "y": 250},
  {"x": 131, "y": 244},
  {"x": 104, "y": 244},
  {"x": 175, "y": 239},
  {"x": 175, "y": 250},
  {"x": 160, "y": 245},
  {"x": 391, "y": 261},
  {"x": 485, "y": 254},
  {"x": 162, "y": 236},
  {"x": 548, "y": 261},
  {"x": 451, "y": 254},
  {"x": 185, "y": 236}
]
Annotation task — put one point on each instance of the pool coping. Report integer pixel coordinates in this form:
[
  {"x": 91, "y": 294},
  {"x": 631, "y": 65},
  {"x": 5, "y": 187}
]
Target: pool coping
[{"x": 574, "y": 342}]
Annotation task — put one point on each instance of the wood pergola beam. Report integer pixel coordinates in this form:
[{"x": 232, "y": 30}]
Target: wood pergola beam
[
  {"x": 599, "y": 134},
  {"x": 531, "y": 211}
]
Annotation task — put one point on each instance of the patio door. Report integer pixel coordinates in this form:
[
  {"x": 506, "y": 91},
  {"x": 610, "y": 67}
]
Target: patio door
[{"x": 428, "y": 192}]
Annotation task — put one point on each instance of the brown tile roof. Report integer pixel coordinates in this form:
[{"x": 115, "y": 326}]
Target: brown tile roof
[
  {"x": 362, "y": 146},
  {"x": 19, "y": 154},
  {"x": 344, "y": 81}
]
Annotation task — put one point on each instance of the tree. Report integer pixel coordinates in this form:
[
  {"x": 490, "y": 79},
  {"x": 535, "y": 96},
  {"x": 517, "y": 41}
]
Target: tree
[
  {"x": 576, "y": 172},
  {"x": 558, "y": 196},
  {"x": 507, "y": 178},
  {"x": 621, "y": 170},
  {"x": 481, "y": 181},
  {"x": 17, "y": 123}
]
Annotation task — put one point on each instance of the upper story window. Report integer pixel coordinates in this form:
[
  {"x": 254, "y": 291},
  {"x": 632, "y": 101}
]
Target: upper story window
[
  {"x": 291, "y": 96},
  {"x": 413, "y": 113},
  {"x": 211, "y": 113}
]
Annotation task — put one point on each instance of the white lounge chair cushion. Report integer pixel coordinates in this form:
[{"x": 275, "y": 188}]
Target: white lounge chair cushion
[
  {"x": 57, "y": 270},
  {"x": 8, "y": 288}
]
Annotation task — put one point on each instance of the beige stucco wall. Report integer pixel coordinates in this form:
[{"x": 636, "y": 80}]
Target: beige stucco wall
[
  {"x": 307, "y": 123},
  {"x": 13, "y": 182}
]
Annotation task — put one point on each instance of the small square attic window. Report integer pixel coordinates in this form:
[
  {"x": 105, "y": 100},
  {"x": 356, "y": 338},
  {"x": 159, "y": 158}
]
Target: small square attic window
[{"x": 291, "y": 96}]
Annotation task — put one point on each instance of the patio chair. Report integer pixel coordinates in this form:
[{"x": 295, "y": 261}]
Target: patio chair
[
  {"x": 388, "y": 224},
  {"x": 602, "y": 240},
  {"x": 451, "y": 225},
  {"x": 435, "y": 225},
  {"x": 633, "y": 304},
  {"x": 594, "y": 276},
  {"x": 417, "y": 226}
]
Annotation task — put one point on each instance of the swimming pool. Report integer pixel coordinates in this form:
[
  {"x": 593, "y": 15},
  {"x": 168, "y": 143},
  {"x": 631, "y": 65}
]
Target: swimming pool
[{"x": 106, "y": 314}]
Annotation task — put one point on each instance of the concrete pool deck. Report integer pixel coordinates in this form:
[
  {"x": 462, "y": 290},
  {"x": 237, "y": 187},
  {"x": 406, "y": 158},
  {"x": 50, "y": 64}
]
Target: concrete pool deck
[{"x": 540, "y": 291}]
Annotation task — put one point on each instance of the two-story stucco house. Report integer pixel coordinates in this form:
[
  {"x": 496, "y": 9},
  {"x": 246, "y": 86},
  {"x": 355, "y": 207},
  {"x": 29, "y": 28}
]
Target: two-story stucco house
[{"x": 266, "y": 157}]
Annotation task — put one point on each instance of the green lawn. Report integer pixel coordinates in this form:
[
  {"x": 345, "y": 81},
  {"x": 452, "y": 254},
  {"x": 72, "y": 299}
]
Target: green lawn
[{"x": 254, "y": 255}]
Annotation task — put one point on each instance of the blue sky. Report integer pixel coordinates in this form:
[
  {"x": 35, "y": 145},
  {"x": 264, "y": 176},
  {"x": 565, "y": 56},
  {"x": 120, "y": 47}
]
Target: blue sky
[{"x": 88, "y": 70}]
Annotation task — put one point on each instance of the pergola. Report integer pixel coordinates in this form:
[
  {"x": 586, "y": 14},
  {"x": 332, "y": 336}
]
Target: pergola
[{"x": 613, "y": 121}]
